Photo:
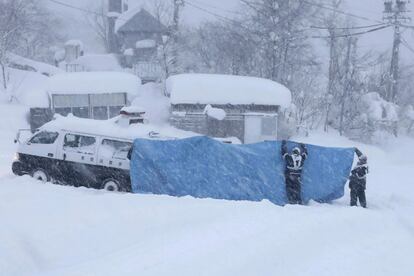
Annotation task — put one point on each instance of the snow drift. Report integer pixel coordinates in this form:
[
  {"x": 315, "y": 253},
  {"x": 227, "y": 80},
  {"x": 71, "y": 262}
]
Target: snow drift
[{"x": 204, "y": 168}]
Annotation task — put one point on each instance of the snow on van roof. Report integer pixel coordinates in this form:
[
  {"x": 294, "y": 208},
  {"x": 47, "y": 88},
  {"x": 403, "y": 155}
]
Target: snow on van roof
[
  {"x": 94, "y": 83},
  {"x": 112, "y": 128},
  {"x": 226, "y": 89}
]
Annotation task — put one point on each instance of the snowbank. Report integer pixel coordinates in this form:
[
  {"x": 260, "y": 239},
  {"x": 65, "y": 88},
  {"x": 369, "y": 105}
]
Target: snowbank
[
  {"x": 94, "y": 83},
  {"x": 379, "y": 109},
  {"x": 27, "y": 88},
  {"x": 156, "y": 105},
  {"x": 59, "y": 230},
  {"x": 226, "y": 89}
]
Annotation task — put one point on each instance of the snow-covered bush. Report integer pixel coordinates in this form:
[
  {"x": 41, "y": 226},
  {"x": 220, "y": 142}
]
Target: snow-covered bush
[{"x": 377, "y": 119}]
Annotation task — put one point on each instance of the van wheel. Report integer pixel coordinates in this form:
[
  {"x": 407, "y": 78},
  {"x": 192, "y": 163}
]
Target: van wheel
[
  {"x": 17, "y": 168},
  {"x": 111, "y": 185},
  {"x": 41, "y": 175}
]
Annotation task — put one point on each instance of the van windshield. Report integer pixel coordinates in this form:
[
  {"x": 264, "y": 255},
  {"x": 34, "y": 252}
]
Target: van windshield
[{"x": 44, "y": 137}]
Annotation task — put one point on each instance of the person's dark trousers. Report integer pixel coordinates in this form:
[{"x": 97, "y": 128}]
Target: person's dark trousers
[
  {"x": 293, "y": 188},
  {"x": 358, "y": 193}
]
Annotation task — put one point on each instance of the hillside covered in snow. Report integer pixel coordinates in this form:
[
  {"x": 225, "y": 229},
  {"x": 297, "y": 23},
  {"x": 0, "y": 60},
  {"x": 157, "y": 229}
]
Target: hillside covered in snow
[{"x": 57, "y": 230}]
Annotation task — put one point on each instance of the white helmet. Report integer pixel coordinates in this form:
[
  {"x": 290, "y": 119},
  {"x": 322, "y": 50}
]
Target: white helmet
[{"x": 296, "y": 151}]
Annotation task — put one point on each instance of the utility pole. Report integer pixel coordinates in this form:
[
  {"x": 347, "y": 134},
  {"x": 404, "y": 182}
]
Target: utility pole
[
  {"x": 395, "y": 13},
  {"x": 178, "y": 4},
  {"x": 346, "y": 86}
]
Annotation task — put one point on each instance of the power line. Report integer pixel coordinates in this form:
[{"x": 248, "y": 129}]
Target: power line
[
  {"x": 226, "y": 19},
  {"x": 217, "y": 8},
  {"x": 407, "y": 45},
  {"x": 75, "y": 7},
  {"x": 80, "y": 9},
  {"x": 347, "y": 28},
  {"x": 341, "y": 12},
  {"x": 354, "y": 34},
  {"x": 221, "y": 17}
]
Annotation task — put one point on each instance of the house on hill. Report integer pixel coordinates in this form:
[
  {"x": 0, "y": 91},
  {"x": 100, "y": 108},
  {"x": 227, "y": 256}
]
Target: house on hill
[
  {"x": 227, "y": 106},
  {"x": 135, "y": 36}
]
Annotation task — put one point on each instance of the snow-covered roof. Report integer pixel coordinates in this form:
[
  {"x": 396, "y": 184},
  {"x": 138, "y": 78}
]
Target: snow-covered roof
[
  {"x": 146, "y": 43},
  {"x": 226, "y": 89},
  {"x": 129, "y": 52},
  {"x": 104, "y": 62},
  {"x": 28, "y": 87},
  {"x": 111, "y": 128},
  {"x": 137, "y": 20},
  {"x": 74, "y": 42},
  {"x": 37, "y": 66},
  {"x": 133, "y": 109},
  {"x": 94, "y": 83},
  {"x": 113, "y": 14}
]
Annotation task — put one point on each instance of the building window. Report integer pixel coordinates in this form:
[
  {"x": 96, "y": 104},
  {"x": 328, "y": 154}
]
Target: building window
[
  {"x": 100, "y": 112},
  {"x": 64, "y": 111},
  {"x": 269, "y": 126},
  {"x": 81, "y": 112},
  {"x": 114, "y": 111}
]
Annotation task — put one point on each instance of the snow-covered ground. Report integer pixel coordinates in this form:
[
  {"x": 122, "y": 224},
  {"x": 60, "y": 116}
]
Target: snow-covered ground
[{"x": 48, "y": 229}]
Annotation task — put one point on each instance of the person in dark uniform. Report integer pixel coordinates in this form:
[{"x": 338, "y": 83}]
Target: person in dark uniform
[
  {"x": 294, "y": 165},
  {"x": 358, "y": 180}
]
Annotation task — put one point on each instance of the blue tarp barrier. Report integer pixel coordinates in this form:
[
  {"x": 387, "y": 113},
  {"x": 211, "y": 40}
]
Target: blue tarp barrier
[{"x": 205, "y": 168}]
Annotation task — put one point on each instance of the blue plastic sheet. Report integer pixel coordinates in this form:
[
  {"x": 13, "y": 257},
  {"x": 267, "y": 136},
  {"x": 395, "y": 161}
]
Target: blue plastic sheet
[{"x": 205, "y": 168}]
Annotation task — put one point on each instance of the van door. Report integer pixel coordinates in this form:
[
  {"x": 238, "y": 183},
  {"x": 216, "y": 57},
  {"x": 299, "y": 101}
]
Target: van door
[
  {"x": 79, "y": 158},
  {"x": 79, "y": 148}
]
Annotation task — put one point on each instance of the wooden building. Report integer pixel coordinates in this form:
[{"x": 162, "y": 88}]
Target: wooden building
[{"x": 227, "y": 106}]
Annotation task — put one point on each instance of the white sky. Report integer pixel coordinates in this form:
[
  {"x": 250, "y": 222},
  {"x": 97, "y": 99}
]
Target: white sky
[{"x": 378, "y": 41}]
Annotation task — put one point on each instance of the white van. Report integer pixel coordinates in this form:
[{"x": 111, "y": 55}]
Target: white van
[
  {"x": 75, "y": 158},
  {"x": 84, "y": 152}
]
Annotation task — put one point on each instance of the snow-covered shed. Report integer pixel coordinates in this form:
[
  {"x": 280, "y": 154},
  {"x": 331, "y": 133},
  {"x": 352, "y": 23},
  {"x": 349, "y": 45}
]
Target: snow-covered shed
[
  {"x": 96, "y": 95},
  {"x": 227, "y": 106}
]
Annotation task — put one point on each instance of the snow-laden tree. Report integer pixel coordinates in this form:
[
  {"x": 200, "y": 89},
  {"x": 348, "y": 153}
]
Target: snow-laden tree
[{"x": 27, "y": 29}]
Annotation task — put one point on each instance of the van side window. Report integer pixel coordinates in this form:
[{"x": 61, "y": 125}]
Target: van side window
[
  {"x": 114, "y": 149},
  {"x": 79, "y": 143},
  {"x": 44, "y": 137}
]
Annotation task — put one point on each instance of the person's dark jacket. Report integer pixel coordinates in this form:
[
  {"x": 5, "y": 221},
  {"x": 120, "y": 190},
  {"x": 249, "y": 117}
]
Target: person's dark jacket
[
  {"x": 294, "y": 164},
  {"x": 358, "y": 178}
]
